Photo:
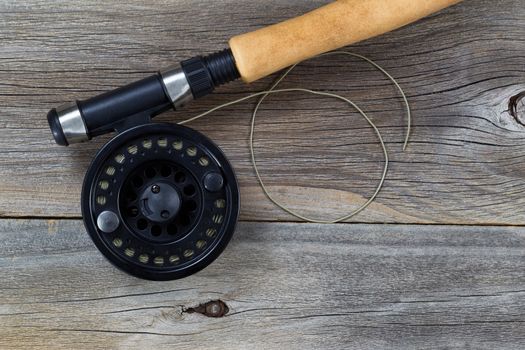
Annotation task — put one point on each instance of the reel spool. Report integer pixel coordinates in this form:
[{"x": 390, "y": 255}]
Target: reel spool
[{"x": 160, "y": 201}]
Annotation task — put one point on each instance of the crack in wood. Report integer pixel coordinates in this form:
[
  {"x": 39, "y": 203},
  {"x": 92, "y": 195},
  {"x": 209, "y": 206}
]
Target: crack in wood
[
  {"x": 116, "y": 332},
  {"x": 121, "y": 296}
]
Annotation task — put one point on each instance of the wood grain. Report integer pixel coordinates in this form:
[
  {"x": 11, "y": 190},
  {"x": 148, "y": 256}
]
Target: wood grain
[
  {"x": 290, "y": 286},
  {"x": 459, "y": 68}
]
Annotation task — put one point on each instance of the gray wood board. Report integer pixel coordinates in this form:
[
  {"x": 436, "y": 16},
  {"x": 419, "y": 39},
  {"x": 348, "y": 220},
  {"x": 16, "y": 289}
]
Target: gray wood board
[
  {"x": 293, "y": 286},
  {"x": 459, "y": 68}
]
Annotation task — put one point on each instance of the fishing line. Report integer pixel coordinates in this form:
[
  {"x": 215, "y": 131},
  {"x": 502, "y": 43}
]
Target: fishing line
[{"x": 273, "y": 90}]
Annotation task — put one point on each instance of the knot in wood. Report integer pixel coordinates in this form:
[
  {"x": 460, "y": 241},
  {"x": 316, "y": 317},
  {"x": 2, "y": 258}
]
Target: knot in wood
[
  {"x": 214, "y": 308},
  {"x": 517, "y": 107}
]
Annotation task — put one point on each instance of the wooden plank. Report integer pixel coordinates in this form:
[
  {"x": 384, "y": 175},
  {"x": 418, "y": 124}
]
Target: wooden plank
[
  {"x": 459, "y": 68},
  {"x": 290, "y": 286}
]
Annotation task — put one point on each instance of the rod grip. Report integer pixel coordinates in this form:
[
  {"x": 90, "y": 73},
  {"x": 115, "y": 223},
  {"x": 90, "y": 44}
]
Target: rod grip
[{"x": 338, "y": 24}]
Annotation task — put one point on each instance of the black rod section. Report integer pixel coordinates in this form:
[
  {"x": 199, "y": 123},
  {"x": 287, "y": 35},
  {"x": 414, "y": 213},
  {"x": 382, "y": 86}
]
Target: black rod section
[
  {"x": 126, "y": 101},
  {"x": 123, "y": 107}
]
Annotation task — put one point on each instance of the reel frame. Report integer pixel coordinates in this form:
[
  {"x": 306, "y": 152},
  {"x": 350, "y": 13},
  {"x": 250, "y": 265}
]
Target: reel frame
[{"x": 216, "y": 204}]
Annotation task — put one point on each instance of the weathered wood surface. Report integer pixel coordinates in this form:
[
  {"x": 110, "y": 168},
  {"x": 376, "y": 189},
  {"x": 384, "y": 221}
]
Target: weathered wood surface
[
  {"x": 460, "y": 68},
  {"x": 287, "y": 286},
  {"x": 292, "y": 286}
]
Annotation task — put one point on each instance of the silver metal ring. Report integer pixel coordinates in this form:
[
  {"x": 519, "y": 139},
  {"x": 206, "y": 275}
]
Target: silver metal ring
[
  {"x": 177, "y": 86},
  {"x": 72, "y": 123}
]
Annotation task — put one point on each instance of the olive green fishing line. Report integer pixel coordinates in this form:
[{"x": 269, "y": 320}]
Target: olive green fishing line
[{"x": 274, "y": 90}]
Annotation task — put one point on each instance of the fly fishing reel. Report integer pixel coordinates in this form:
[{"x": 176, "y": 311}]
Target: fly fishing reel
[{"x": 160, "y": 201}]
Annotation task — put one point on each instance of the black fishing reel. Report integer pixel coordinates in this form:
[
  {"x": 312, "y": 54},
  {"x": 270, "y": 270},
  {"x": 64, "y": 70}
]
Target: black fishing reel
[{"x": 160, "y": 201}]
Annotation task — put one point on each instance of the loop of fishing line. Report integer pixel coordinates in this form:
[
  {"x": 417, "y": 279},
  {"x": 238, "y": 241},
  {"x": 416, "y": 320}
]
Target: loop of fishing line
[{"x": 273, "y": 90}]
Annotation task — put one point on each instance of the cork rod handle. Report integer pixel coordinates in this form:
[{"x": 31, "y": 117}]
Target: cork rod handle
[{"x": 338, "y": 24}]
